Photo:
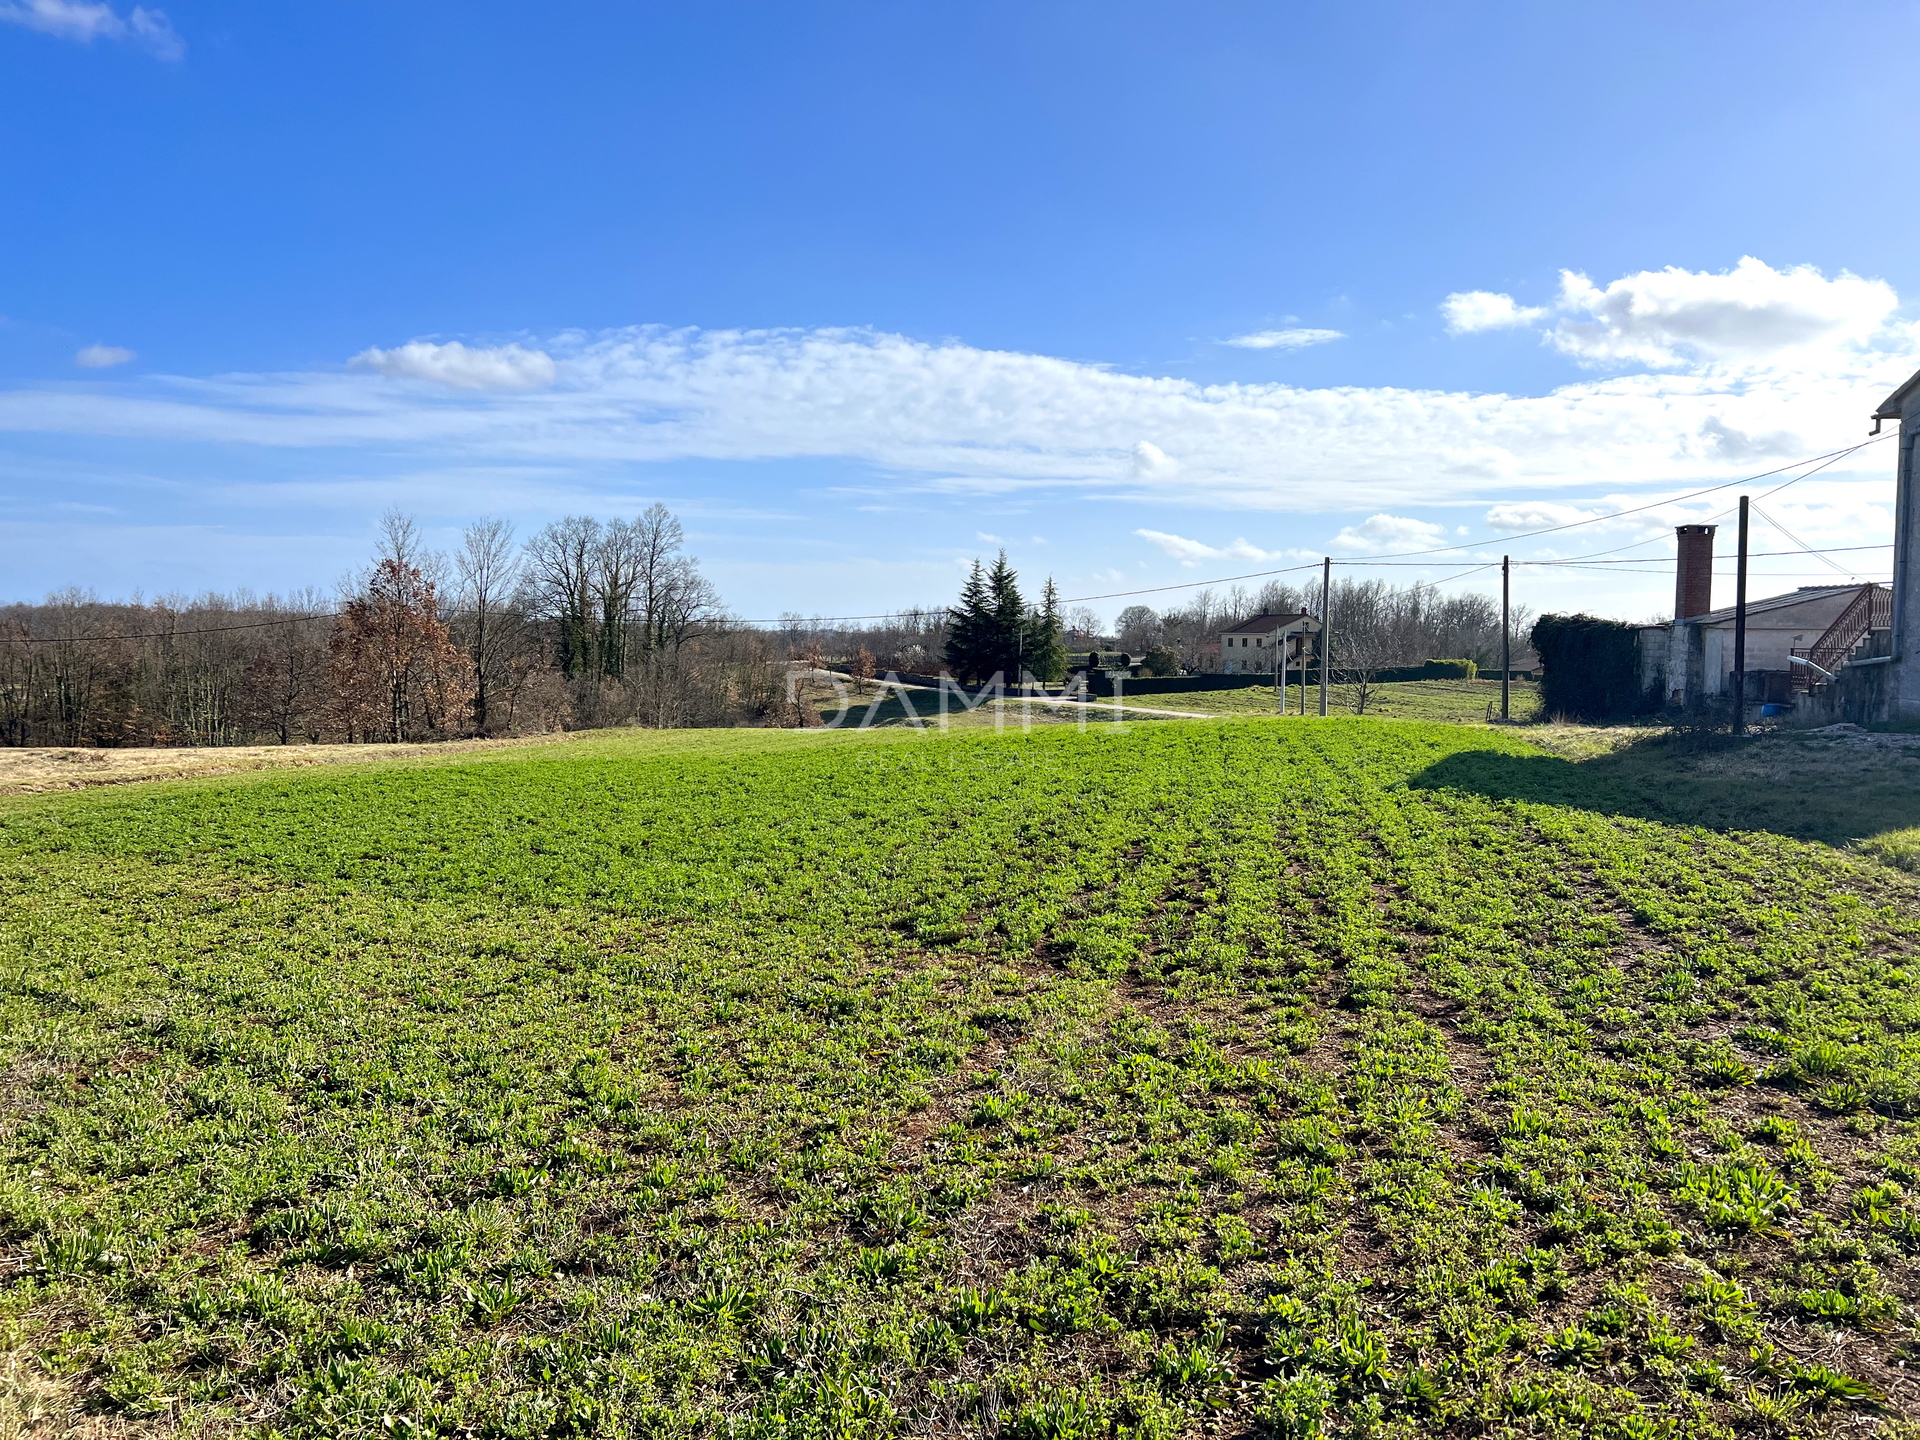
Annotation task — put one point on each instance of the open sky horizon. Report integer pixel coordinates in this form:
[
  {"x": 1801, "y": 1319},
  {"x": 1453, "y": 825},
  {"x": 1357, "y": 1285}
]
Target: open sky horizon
[{"x": 1145, "y": 294}]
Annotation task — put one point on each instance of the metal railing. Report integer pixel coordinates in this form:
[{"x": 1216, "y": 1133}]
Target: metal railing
[{"x": 1870, "y": 610}]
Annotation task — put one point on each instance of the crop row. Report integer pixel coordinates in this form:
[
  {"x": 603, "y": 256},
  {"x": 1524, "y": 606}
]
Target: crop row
[{"x": 1148, "y": 1080}]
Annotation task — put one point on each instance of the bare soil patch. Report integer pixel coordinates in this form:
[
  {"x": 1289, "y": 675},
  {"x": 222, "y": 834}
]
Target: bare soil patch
[{"x": 33, "y": 770}]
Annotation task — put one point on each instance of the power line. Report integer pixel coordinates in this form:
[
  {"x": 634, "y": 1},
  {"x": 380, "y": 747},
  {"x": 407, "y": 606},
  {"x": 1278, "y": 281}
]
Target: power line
[
  {"x": 1808, "y": 549},
  {"x": 1634, "y": 560},
  {"x": 1853, "y": 583},
  {"x": 179, "y": 634},
  {"x": 1830, "y": 458},
  {"x": 1819, "y": 462}
]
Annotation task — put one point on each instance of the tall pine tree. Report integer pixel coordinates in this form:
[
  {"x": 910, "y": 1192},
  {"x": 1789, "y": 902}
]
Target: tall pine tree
[
  {"x": 1009, "y": 646},
  {"x": 1046, "y": 646},
  {"x": 968, "y": 628},
  {"x": 990, "y": 632}
]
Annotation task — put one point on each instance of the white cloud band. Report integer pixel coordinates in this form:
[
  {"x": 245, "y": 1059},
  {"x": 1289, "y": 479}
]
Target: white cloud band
[
  {"x": 1388, "y": 532},
  {"x": 102, "y": 357},
  {"x": 86, "y": 21},
  {"x": 952, "y": 417},
  {"x": 1192, "y": 552},
  {"x": 1468, "y": 311},
  {"x": 461, "y": 367},
  {"x": 1285, "y": 339},
  {"x": 1751, "y": 314}
]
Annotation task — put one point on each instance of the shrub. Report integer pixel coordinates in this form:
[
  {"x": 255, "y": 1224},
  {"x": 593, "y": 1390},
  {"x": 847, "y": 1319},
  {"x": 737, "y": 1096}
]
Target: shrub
[{"x": 1590, "y": 668}]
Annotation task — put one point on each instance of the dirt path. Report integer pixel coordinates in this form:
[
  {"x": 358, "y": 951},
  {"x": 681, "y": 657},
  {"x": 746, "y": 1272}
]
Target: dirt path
[{"x": 36, "y": 769}]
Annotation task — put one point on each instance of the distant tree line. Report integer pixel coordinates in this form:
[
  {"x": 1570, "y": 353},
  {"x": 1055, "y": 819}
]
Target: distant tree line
[
  {"x": 590, "y": 623},
  {"x": 1376, "y": 625}
]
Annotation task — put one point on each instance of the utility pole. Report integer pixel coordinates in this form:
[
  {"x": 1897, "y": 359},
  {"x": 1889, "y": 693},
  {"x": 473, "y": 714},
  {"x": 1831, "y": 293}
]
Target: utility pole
[
  {"x": 1506, "y": 640},
  {"x": 1740, "y": 629},
  {"x": 1326, "y": 631}
]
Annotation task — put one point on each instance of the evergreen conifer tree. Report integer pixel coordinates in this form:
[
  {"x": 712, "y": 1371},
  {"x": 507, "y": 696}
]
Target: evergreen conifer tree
[
  {"x": 1046, "y": 646},
  {"x": 969, "y": 626},
  {"x": 1007, "y": 635}
]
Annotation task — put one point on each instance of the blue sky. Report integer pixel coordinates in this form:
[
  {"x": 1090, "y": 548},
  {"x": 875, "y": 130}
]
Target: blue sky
[{"x": 865, "y": 290}]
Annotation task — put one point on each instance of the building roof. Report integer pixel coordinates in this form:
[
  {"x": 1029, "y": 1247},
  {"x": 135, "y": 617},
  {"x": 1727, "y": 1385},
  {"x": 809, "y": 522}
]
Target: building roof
[
  {"x": 1775, "y": 602},
  {"x": 1890, "y": 407},
  {"x": 1267, "y": 624}
]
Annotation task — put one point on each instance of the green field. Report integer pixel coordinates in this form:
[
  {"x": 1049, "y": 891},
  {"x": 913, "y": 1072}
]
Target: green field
[
  {"x": 1169, "y": 1079},
  {"x": 857, "y": 706},
  {"x": 1447, "y": 701}
]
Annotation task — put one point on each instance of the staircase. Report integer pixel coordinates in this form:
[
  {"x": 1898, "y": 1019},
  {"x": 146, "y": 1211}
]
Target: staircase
[{"x": 1868, "y": 612}]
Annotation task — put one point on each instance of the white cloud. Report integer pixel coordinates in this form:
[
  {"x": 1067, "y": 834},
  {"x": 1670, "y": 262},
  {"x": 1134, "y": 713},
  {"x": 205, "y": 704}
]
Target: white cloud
[
  {"x": 1470, "y": 310},
  {"x": 1746, "y": 316},
  {"x": 1389, "y": 532},
  {"x": 1516, "y": 516},
  {"x": 951, "y": 419},
  {"x": 86, "y": 22},
  {"x": 498, "y": 367},
  {"x": 101, "y": 357},
  {"x": 985, "y": 538},
  {"x": 1192, "y": 552},
  {"x": 1150, "y": 462},
  {"x": 1284, "y": 339}
]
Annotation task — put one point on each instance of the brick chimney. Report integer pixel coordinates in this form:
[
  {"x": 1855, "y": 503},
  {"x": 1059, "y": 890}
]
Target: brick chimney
[{"x": 1693, "y": 571}]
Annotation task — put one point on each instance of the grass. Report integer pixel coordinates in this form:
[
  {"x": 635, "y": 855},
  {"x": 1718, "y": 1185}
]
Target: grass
[
  {"x": 1834, "y": 789},
  {"x": 1444, "y": 701},
  {"x": 873, "y": 706},
  {"x": 1168, "y": 1079}
]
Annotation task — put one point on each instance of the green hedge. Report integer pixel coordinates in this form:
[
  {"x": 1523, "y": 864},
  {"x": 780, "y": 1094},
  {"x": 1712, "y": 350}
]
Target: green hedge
[
  {"x": 1589, "y": 668},
  {"x": 1450, "y": 670}
]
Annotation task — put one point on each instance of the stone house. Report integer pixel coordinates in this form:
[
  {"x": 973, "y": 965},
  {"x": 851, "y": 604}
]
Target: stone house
[{"x": 1257, "y": 646}]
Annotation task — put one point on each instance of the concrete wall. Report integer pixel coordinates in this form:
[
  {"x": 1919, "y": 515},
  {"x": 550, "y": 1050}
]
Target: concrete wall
[
  {"x": 1903, "y": 683},
  {"x": 1861, "y": 695},
  {"x": 1767, "y": 649},
  {"x": 1672, "y": 663},
  {"x": 1699, "y": 658}
]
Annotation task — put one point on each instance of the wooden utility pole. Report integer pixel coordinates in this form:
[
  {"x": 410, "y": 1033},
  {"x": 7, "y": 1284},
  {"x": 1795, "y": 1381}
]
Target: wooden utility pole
[
  {"x": 1740, "y": 629},
  {"x": 1326, "y": 632},
  {"x": 1506, "y": 640}
]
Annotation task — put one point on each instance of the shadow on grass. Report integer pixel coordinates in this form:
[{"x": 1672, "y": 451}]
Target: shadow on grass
[{"x": 1779, "y": 784}]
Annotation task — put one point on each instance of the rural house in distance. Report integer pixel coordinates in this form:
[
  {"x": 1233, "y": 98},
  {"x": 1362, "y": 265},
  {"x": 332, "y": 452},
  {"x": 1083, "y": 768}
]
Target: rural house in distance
[{"x": 1250, "y": 648}]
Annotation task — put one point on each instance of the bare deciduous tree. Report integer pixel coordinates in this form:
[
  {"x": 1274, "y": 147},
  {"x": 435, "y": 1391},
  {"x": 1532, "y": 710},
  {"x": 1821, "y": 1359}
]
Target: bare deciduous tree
[
  {"x": 560, "y": 563},
  {"x": 285, "y": 682},
  {"x": 488, "y": 623},
  {"x": 1139, "y": 629}
]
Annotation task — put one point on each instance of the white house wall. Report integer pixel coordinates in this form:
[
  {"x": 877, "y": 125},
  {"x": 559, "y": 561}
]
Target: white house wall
[
  {"x": 1698, "y": 659},
  {"x": 1905, "y": 686}
]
